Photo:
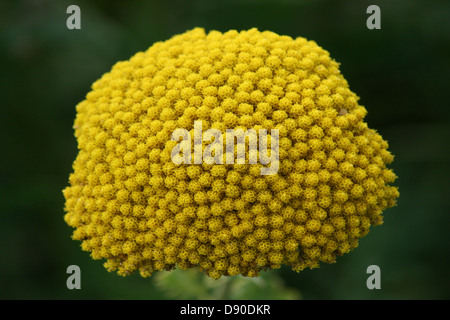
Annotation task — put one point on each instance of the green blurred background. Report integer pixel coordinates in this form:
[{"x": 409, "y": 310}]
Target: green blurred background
[{"x": 401, "y": 73}]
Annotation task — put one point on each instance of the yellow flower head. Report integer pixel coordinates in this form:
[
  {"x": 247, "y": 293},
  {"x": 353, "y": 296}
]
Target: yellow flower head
[{"x": 131, "y": 205}]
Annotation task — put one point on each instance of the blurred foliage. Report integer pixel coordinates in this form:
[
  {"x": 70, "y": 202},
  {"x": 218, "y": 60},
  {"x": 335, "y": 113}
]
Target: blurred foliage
[
  {"x": 192, "y": 284},
  {"x": 400, "y": 72}
]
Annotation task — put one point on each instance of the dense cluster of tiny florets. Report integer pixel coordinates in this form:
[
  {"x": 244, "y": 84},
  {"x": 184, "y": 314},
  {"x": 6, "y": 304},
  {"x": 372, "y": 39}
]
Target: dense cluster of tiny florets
[{"x": 131, "y": 205}]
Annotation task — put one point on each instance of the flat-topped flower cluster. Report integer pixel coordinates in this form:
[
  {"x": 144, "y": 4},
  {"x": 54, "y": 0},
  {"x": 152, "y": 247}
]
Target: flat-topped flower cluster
[{"x": 131, "y": 205}]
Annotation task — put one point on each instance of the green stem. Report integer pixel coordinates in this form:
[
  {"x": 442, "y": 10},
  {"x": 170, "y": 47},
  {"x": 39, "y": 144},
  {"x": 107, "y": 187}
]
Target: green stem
[{"x": 226, "y": 289}]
